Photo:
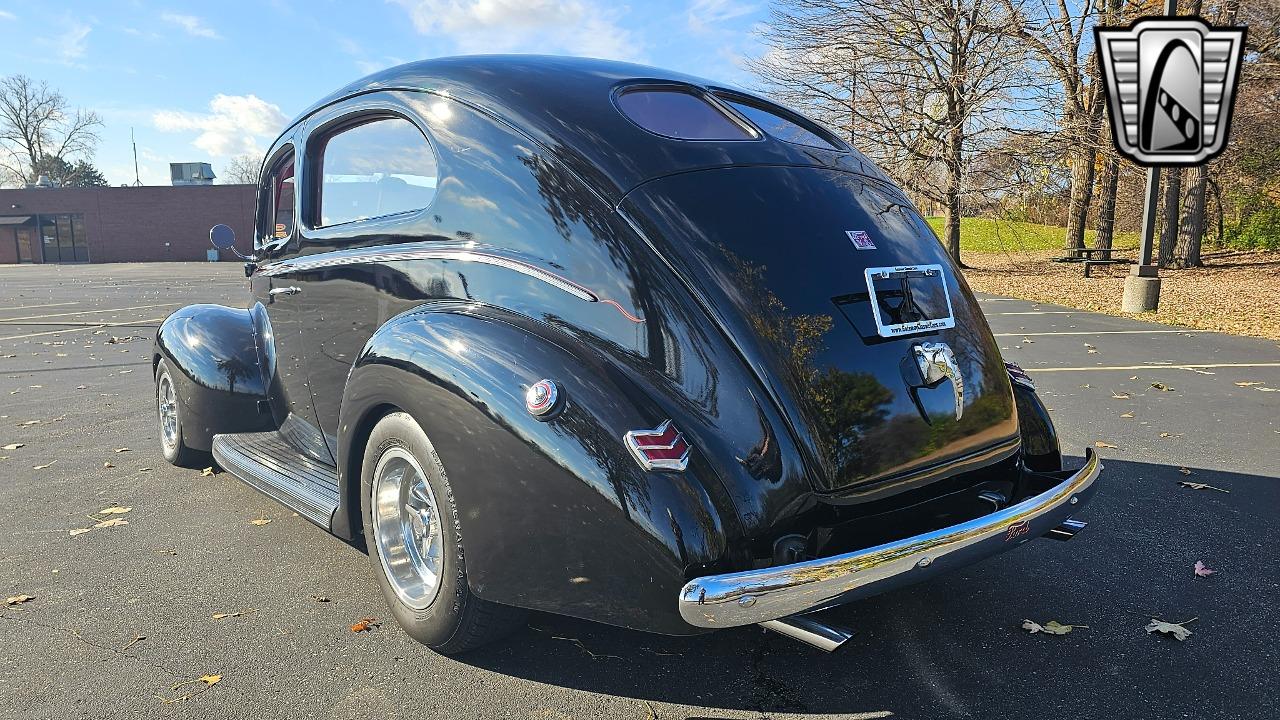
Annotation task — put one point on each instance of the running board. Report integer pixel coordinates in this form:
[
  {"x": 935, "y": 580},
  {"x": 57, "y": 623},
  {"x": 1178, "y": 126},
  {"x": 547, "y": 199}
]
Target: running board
[{"x": 267, "y": 463}]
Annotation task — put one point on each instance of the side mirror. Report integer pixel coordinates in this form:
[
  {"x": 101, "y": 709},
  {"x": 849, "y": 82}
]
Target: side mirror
[{"x": 224, "y": 238}]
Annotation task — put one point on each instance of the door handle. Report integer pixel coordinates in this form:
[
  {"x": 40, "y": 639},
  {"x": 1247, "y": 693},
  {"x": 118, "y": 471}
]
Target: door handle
[{"x": 292, "y": 290}]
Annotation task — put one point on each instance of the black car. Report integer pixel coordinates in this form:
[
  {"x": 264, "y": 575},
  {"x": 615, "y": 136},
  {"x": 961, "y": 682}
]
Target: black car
[{"x": 597, "y": 339}]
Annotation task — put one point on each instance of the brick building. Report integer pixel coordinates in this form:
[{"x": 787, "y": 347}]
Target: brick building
[{"x": 120, "y": 224}]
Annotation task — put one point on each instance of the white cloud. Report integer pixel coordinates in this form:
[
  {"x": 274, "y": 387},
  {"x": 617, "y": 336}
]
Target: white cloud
[
  {"x": 6, "y": 15},
  {"x": 576, "y": 26},
  {"x": 193, "y": 25},
  {"x": 235, "y": 124},
  {"x": 69, "y": 46},
  {"x": 703, "y": 15}
]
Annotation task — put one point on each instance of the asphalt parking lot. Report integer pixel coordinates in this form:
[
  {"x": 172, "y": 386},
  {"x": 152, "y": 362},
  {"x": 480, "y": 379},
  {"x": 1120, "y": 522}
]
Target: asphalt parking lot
[{"x": 122, "y": 614}]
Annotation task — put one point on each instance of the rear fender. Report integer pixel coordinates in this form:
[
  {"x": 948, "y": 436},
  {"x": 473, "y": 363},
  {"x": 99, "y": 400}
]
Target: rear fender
[
  {"x": 555, "y": 514},
  {"x": 1040, "y": 449},
  {"x": 217, "y": 377}
]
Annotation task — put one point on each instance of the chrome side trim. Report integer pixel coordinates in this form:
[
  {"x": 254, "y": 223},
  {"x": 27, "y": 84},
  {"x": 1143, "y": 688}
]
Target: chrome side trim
[
  {"x": 756, "y": 596},
  {"x": 381, "y": 254}
]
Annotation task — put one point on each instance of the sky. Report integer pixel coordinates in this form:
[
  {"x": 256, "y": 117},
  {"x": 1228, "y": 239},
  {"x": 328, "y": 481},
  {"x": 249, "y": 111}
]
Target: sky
[{"x": 204, "y": 82}]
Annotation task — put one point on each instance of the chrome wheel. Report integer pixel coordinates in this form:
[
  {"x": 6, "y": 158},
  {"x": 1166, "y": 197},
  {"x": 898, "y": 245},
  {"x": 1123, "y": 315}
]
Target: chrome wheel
[
  {"x": 406, "y": 527},
  {"x": 167, "y": 402}
]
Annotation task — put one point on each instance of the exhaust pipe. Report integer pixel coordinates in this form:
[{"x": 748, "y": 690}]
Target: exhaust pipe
[
  {"x": 810, "y": 631},
  {"x": 1066, "y": 530}
]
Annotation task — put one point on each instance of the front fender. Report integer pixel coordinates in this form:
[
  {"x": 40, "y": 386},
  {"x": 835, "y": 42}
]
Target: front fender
[
  {"x": 218, "y": 380},
  {"x": 555, "y": 515}
]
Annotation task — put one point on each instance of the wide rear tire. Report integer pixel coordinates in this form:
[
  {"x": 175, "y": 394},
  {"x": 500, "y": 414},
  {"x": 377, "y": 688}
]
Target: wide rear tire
[{"x": 415, "y": 541}]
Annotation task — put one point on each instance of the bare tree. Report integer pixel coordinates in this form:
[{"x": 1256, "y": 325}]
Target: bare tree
[
  {"x": 921, "y": 86},
  {"x": 37, "y": 125},
  {"x": 241, "y": 170}
]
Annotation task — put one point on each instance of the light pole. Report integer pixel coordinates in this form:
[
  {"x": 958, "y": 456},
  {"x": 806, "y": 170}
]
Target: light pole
[{"x": 1142, "y": 284}]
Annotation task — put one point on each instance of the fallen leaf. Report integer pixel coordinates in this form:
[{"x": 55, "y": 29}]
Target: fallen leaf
[
  {"x": 120, "y": 450},
  {"x": 1053, "y": 627},
  {"x": 1249, "y": 383},
  {"x": 46, "y": 465},
  {"x": 206, "y": 472},
  {"x": 1091, "y": 347},
  {"x": 125, "y": 372},
  {"x": 1126, "y": 415},
  {"x": 77, "y": 531},
  {"x": 1161, "y": 386},
  {"x": 1102, "y": 444},
  {"x": 114, "y": 510},
  {"x": 1264, "y": 389},
  {"x": 1167, "y": 435},
  {"x": 260, "y": 521},
  {"x": 1200, "y": 486},
  {"x": 1092, "y": 351},
  {"x": 1028, "y": 341},
  {"x": 1175, "y": 629},
  {"x": 1120, "y": 396},
  {"x": 113, "y": 522},
  {"x": 1203, "y": 570},
  {"x": 1184, "y": 471},
  {"x": 14, "y": 446},
  {"x": 320, "y": 598},
  {"x": 107, "y": 464},
  {"x": 365, "y": 624},
  {"x": 210, "y": 679},
  {"x": 1133, "y": 377},
  {"x": 18, "y": 599},
  {"x": 30, "y": 422},
  {"x": 238, "y": 613}
]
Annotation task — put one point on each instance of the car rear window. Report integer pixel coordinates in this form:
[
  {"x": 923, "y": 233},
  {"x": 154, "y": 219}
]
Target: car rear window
[
  {"x": 775, "y": 124},
  {"x": 680, "y": 114}
]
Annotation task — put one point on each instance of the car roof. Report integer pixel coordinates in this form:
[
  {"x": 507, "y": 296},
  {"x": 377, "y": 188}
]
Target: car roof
[{"x": 566, "y": 104}]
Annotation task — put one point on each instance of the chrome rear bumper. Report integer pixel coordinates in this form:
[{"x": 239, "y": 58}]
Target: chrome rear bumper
[{"x": 755, "y": 596}]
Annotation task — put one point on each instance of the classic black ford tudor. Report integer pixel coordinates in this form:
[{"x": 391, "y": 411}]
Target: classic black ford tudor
[{"x": 602, "y": 340}]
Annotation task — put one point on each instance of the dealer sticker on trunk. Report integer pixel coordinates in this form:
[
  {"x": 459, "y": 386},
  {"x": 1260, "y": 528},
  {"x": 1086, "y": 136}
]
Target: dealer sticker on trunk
[{"x": 861, "y": 240}]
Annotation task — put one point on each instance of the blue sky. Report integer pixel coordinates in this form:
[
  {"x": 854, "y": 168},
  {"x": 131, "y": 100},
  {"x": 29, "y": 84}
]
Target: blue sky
[{"x": 206, "y": 81}]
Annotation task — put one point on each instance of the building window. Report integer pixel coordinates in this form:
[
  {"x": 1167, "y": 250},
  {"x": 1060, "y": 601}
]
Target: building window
[{"x": 62, "y": 239}]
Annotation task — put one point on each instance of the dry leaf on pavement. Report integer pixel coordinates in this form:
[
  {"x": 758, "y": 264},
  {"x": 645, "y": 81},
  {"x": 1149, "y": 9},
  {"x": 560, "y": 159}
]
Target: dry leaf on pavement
[
  {"x": 1053, "y": 627},
  {"x": 45, "y": 466},
  {"x": 114, "y": 510},
  {"x": 1161, "y": 386},
  {"x": 1126, "y": 415},
  {"x": 125, "y": 449},
  {"x": 13, "y": 446},
  {"x": 365, "y": 624},
  {"x": 1101, "y": 444},
  {"x": 1120, "y": 396},
  {"x": 18, "y": 599},
  {"x": 238, "y": 613},
  {"x": 260, "y": 521},
  {"x": 1203, "y": 570},
  {"x": 1200, "y": 486},
  {"x": 1175, "y": 629},
  {"x": 208, "y": 680},
  {"x": 77, "y": 531},
  {"x": 1249, "y": 383},
  {"x": 113, "y": 522},
  {"x": 1184, "y": 471},
  {"x": 206, "y": 472},
  {"x": 108, "y": 464}
]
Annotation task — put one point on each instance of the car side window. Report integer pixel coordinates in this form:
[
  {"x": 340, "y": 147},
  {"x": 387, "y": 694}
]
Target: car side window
[
  {"x": 278, "y": 205},
  {"x": 381, "y": 167}
]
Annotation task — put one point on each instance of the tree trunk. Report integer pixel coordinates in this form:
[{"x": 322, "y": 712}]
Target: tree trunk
[
  {"x": 1081, "y": 194},
  {"x": 1191, "y": 231},
  {"x": 1169, "y": 229},
  {"x": 1107, "y": 210},
  {"x": 955, "y": 144}
]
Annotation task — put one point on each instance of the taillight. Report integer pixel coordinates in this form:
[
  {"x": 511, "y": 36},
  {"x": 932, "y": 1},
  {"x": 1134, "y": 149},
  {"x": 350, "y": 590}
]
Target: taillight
[
  {"x": 1018, "y": 375},
  {"x": 662, "y": 448}
]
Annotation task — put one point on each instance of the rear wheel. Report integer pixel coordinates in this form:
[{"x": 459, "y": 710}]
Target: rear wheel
[
  {"x": 169, "y": 413},
  {"x": 415, "y": 541}
]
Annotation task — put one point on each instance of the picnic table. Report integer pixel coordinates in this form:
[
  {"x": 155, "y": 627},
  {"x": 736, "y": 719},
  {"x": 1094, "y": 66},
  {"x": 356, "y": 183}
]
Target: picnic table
[{"x": 1085, "y": 255}]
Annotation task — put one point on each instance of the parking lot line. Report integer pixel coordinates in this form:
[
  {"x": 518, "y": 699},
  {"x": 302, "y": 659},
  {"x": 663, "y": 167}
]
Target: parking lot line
[
  {"x": 86, "y": 327},
  {"x": 1101, "y": 332},
  {"x": 1039, "y": 312},
  {"x": 88, "y": 312},
  {"x": 1189, "y": 366},
  {"x": 27, "y": 307}
]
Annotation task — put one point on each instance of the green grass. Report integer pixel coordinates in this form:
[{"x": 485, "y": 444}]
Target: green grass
[{"x": 988, "y": 235}]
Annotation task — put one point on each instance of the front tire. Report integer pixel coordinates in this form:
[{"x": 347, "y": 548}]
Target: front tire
[
  {"x": 169, "y": 414},
  {"x": 415, "y": 542}
]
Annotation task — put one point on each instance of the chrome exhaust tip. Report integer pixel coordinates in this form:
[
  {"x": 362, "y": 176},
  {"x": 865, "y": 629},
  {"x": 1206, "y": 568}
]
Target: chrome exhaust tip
[
  {"x": 810, "y": 631},
  {"x": 1066, "y": 530}
]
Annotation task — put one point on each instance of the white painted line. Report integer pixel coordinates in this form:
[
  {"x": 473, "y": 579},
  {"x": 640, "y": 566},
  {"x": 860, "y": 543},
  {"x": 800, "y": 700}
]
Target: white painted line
[
  {"x": 25, "y": 307},
  {"x": 80, "y": 329},
  {"x": 1100, "y": 332},
  {"x": 1040, "y": 312},
  {"x": 1152, "y": 367},
  {"x": 88, "y": 312}
]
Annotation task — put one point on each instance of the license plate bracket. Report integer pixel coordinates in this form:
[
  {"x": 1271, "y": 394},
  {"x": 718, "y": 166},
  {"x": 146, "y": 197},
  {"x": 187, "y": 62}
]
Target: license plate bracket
[{"x": 909, "y": 299}]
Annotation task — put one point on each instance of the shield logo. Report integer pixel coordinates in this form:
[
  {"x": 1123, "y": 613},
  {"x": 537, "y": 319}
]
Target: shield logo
[{"x": 1170, "y": 85}]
